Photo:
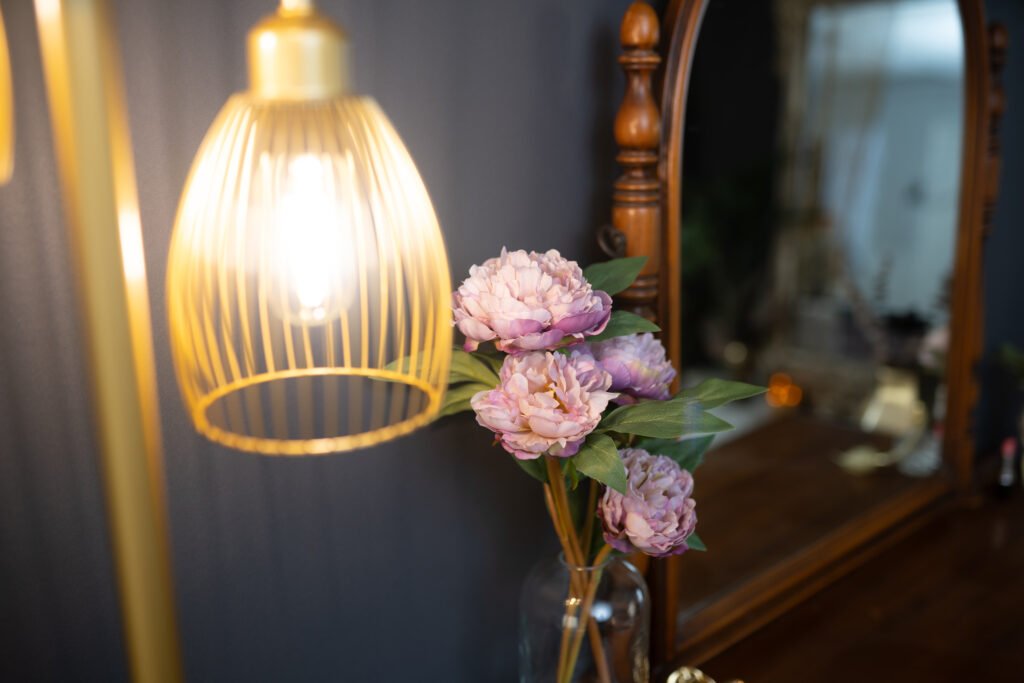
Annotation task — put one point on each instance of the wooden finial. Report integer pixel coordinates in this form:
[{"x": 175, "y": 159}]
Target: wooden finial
[
  {"x": 639, "y": 27},
  {"x": 636, "y": 199}
]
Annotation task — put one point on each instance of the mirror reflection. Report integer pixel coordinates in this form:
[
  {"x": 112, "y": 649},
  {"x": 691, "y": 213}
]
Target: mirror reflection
[{"x": 821, "y": 166}]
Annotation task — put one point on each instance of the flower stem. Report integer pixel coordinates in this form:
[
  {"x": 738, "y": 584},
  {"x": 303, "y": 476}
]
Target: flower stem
[
  {"x": 581, "y": 588},
  {"x": 590, "y": 512},
  {"x": 556, "y": 520},
  {"x": 557, "y": 482},
  {"x": 596, "y": 646},
  {"x": 558, "y": 508},
  {"x": 588, "y": 603}
]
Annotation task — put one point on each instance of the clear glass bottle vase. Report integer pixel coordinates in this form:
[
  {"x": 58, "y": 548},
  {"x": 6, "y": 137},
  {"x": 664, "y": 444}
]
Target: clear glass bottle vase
[{"x": 558, "y": 645}]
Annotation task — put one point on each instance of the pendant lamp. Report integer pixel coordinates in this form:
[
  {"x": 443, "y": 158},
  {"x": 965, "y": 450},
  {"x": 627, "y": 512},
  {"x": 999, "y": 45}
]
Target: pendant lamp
[{"x": 308, "y": 286}]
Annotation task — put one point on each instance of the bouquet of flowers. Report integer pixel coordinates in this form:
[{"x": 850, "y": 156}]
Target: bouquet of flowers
[{"x": 579, "y": 395}]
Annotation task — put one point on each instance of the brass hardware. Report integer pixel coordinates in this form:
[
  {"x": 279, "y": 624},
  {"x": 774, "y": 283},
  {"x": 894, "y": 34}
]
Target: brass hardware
[
  {"x": 689, "y": 674},
  {"x": 297, "y": 53}
]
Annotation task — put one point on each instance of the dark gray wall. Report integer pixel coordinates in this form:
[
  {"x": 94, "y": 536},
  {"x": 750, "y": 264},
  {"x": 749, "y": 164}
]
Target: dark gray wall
[{"x": 396, "y": 562}]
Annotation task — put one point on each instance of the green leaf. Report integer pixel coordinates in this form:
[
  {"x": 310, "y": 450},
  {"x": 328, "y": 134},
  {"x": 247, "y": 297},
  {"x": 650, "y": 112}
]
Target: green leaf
[
  {"x": 611, "y": 277},
  {"x": 622, "y": 323},
  {"x": 453, "y": 408},
  {"x": 693, "y": 458},
  {"x": 466, "y": 367},
  {"x": 495, "y": 359},
  {"x": 712, "y": 393},
  {"x": 651, "y": 418},
  {"x": 535, "y": 468},
  {"x": 599, "y": 459},
  {"x": 597, "y": 540},
  {"x": 469, "y": 368},
  {"x": 404, "y": 365},
  {"x": 578, "y": 505},
  {"x": 689, "y": 452},
  {"x": 457, "y": 398},
  {"x": 697, "y": 420},
  {"x": 694, "y": 543},
  {"x": 574, "y": 476},
  {"x": 663, "y": 419}
]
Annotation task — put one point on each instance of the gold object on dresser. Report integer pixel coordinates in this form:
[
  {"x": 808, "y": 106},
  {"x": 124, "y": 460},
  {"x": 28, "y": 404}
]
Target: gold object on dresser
[{"x": 688, "y": 674}]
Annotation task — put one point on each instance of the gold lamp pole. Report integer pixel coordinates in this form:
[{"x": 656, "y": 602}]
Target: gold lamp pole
[{"x": 90, "y": 130}]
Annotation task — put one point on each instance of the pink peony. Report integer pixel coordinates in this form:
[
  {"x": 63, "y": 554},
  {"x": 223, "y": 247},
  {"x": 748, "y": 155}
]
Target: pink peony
[
  {"x": 546, "y": 403},
  {"x": 657, "y": 515},
  {"x": 528, "y": 302},
  {"x": 638, "y": 366}
]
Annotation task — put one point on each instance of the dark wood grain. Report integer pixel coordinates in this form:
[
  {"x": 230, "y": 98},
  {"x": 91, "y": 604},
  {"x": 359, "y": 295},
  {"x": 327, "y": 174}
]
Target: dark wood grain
[
  {"x": 785, "y": 522},
  {"x": 945, "y": 604},
  {"x": 772, "y": 492},
  {"x": 683, "y": 20},
  {"x": 984, "y": 55}
]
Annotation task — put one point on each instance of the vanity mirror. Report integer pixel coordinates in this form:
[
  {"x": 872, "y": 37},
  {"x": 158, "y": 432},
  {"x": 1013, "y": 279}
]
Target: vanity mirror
[{"x": 810, "y": 179}]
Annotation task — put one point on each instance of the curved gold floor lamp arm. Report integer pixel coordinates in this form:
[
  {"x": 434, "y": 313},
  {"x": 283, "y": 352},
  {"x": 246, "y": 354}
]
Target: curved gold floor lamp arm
[{"x": 90, "y": 128}]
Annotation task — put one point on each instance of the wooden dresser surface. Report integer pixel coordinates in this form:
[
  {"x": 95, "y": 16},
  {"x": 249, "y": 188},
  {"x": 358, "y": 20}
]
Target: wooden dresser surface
[{"x": 945, "y": 604}]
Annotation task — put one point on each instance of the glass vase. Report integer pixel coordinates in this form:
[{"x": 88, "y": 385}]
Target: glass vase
[{"x": 558, "y": 644}]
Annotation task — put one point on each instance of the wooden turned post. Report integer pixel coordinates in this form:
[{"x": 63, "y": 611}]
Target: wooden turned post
[{"x": 636, "y": 197}]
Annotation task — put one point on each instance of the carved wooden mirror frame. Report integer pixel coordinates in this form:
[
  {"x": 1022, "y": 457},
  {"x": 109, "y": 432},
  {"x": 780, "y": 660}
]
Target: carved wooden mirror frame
[{"x": 646, "y": 220}]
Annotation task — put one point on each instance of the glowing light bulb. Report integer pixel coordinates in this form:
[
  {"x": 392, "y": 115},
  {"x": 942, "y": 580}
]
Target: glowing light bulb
[{"x": 314, "y": 267}]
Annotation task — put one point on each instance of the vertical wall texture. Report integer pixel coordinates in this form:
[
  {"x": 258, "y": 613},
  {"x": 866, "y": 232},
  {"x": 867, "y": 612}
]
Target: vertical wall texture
[{"x": 403, "y": 561}]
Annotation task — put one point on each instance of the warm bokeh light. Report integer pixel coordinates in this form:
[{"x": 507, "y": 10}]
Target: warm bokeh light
[
  {"x": 782, "y": 393},
  {"x": 315, "y": 275}
]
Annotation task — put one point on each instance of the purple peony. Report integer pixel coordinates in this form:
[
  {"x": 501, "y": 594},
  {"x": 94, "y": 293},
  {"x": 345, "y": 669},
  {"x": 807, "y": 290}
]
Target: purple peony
[
  {"x": 657, "y": 515},
  {"x": 546, "y": 403},
  {"x": 528, "y": 302},
  {"x": 637, "y": 365}
]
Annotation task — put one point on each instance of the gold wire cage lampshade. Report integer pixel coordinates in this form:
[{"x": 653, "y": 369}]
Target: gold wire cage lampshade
[{"x": 308, "y": 285}]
